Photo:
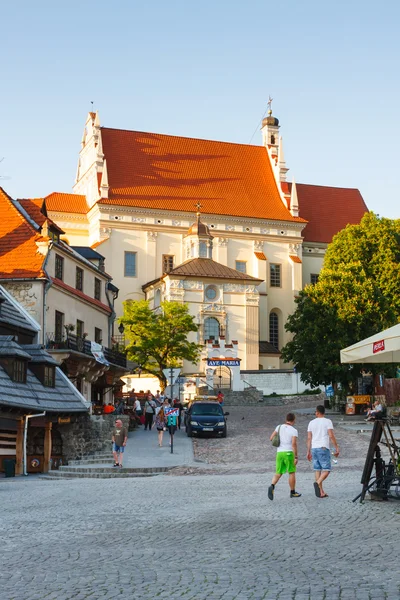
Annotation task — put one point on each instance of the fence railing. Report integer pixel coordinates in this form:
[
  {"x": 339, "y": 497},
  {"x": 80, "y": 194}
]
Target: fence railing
[{"x": 80, "y": 344}]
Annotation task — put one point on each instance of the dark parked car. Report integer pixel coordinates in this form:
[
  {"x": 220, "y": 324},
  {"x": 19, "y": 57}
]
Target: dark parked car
[{"x": 207, "y": 418}]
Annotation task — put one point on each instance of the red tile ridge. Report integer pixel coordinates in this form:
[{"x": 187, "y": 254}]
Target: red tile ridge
[{"x": 295, "y": 258}]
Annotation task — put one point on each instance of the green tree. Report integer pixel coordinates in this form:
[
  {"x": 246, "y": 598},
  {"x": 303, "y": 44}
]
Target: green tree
[
  {"x": 356, "y": 296},
  {"x": 158, "y": 339}
]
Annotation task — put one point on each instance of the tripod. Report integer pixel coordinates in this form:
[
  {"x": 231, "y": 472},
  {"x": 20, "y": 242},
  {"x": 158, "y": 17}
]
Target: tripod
[{"x": 386, "y": 475}]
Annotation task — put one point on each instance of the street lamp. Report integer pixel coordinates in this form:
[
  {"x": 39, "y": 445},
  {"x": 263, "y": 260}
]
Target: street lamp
[{"x": 121, "y": 328}]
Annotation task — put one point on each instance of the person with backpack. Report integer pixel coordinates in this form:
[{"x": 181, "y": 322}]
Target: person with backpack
[
  {"x": 149, "y": 412},
  {"x": 284, "y": 438}
]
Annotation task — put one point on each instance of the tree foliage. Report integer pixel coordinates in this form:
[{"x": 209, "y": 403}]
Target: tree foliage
[
  {"x": 158, "y": 339},
  {"x": 356, "y": 296}
]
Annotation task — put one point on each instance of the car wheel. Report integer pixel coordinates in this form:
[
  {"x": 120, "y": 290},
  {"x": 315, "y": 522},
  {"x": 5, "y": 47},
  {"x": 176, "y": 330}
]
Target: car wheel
[{"x": 224, "y": 433}]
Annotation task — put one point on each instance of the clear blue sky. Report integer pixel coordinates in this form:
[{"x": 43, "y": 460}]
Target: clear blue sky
[{"x": 205, "y": 69}]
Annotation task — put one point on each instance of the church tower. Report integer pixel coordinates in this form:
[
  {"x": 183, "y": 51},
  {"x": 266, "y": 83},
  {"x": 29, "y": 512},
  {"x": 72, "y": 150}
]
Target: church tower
[
  {"x": 274, "y": 145},
  {"x": 198, "y": 240}
]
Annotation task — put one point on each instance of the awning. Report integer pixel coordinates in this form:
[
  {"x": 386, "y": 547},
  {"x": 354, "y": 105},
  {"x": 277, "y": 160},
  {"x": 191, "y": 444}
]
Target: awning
[{"x": 383, "y": 347}]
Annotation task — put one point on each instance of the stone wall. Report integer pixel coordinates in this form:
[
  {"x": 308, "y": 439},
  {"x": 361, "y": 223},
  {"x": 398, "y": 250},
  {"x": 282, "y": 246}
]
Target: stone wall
[
  {"x": 29, "y": 295},
  {"x": 87, "y": 435},
  {"x": 280, "y": 381}
]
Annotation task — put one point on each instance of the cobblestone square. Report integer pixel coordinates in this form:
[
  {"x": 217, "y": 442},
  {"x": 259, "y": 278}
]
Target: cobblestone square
[{"x": 209, "y": 535}]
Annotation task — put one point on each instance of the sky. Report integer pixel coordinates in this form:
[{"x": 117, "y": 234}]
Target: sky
[{"x": 204, "y": 69}]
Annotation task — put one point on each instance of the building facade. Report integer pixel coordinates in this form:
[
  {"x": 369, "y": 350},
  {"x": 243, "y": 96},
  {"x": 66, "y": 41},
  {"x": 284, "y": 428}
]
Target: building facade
[{"x": 135, "y": 199}]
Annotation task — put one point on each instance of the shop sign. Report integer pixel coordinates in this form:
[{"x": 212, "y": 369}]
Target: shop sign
[
  {"x": 64, "y": 420},
  {"x": 223, "y": 362},
  {"x": 378, "y": 346}
]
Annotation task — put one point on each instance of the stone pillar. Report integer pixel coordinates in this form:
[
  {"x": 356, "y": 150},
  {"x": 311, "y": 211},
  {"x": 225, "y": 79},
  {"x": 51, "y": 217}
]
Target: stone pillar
[
  {"x": 151, "y": 253},
  {"x": 19, "y": 456},
  {"x": 47, "y": 447}
]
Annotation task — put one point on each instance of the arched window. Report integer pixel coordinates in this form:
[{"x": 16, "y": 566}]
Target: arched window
[
  {"x": 157, "y": 298},
  {"x": 203, "y": 250},
  {"x": 272, "y": 139},
  {"x": 274, "y": 330},
  {"x": 211, "y": 329}
]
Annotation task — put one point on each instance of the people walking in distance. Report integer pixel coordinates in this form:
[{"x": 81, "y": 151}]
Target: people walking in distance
[
  {"x": 177, "y": 404},
  {"x": 119, "y": 439},
  {"x": 286, "y": 456},
  {"x": 319, "y": 435},
  {"x": 138, "y": 407},
  {"x": 149, "y": 412},
  {"x": 161, "y": 423}
]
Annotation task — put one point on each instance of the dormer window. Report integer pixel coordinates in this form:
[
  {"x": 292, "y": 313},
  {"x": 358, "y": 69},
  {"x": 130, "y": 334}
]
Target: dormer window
[
  {"x": 49, "y": 376},
  {"x": 18, "y": 373},
  {"x": 54, "y": 235}
]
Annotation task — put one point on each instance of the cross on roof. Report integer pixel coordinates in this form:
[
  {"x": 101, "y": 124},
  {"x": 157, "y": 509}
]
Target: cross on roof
[
  {"x": 269, "y": 104},
  {"x": 198, "y": 206}
]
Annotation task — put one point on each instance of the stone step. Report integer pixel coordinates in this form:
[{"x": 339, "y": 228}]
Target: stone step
[
  {"x": 93, "y": 461},
  {"x": 117, "y": 474},
  {"x": 88, "y": 469}
]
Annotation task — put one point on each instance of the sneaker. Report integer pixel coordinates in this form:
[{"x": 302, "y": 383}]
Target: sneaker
[
  {"x": 294, "y": 494},
  {"x": 271, "y": 492},
  {"x": 115, "y": 465}
]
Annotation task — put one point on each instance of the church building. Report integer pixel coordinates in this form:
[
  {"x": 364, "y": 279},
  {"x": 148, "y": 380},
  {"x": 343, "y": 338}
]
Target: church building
[{"x": 213, "y": 224}]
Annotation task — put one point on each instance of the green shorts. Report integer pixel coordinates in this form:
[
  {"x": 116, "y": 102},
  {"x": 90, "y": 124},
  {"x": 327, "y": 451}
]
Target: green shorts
[{"x": 285, "y": 463}]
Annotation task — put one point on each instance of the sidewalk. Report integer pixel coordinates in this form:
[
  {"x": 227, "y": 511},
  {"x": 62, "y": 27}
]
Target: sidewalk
[{"x": 142, "y": 450}]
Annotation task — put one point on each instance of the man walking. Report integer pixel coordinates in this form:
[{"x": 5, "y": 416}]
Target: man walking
[
  {"x": 286, "y": 456},
  {"x": 149, "y": 412},
  {"x": 320, "y": 433},
  {"x": 119, "y": 439}
]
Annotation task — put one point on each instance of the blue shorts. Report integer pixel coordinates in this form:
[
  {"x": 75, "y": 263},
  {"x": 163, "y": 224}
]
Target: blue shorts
[
  {"x": 321, "y": 459},
  {"x": 118, "y": 448}
]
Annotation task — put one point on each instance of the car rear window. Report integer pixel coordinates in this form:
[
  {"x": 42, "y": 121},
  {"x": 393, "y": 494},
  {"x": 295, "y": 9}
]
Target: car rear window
[{"x": 207, "y": 409}]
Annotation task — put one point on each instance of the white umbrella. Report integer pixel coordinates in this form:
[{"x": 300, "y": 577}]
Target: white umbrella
[{"x": 383, "y": 347}]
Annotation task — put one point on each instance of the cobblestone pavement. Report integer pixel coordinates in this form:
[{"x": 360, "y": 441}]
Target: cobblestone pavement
[
  {"x": 247, "y": 445},
  {"x": 198, "y": 537}
]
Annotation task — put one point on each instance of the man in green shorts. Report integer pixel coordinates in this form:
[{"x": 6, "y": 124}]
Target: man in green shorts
[{"x": 286, "y": 456}]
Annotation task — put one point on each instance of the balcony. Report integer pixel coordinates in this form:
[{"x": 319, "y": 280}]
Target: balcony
[{"x": 83, "y": 345}]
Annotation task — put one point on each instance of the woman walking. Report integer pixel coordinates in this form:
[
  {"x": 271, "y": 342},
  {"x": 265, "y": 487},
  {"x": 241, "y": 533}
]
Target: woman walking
[
  {"x": 160, "y": 424},
  {"x": 149, "y": 412}
]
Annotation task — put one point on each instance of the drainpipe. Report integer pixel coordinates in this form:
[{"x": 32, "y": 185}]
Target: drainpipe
[
  {"x": 47, "y": 285},
  {"x": 26, "y": 435}
]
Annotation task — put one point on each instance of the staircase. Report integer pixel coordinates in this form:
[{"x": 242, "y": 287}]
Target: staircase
[{"x": 91, "y": 467}]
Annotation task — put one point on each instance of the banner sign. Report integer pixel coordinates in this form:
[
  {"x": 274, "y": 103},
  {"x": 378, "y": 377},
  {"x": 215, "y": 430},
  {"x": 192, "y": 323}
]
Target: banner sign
[
  {"x": 378, "y": 346},
  {"x": 97, "y": 351},
  {"x": 223, "y": 362}
]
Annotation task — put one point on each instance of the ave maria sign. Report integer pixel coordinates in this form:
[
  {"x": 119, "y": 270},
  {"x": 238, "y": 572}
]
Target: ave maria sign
[{"x": 223, "y": 362}]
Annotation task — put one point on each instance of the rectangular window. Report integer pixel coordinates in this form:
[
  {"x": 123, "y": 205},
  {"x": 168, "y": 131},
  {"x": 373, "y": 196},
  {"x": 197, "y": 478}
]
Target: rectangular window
[
  {"x": 59, "y": 271},
  {"x": 97, "y": 288},
  {"x": 98, "y": 335},
  {"x": 80, "y": 328},
  {"x": 49, "y": 376},
  {"x": 275, "y": 275},
  {"x": 314, "y": 278},
  {"x": 59, "y": 326},
  {"x": 241, "y": 265},
  {"x": 130, "y": 264},
  {"x": 167, "y": 263},
  {"x": 19, "y": 371},
  {"x": 79, "y": 279}
]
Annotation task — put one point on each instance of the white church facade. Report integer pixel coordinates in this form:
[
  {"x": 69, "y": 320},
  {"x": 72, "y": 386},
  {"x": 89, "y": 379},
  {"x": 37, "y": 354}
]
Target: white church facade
[{"x": 239, "y": 264}]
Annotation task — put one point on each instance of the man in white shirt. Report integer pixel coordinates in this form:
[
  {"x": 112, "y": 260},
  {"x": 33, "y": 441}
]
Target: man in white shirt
[
  {"x": 319, "y": 435},
  {"x": 286, "y": 456}
]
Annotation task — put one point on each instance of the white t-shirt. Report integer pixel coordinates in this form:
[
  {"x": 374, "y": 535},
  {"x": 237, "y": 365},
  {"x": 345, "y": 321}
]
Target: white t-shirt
[
  {"x": 319, "y": 429},
  {"x": 286, "y": 433},
  {"x": 137, "y": 405}
]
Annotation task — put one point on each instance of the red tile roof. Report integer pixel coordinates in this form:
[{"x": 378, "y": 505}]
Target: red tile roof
[
  {"x": 36, "y": 209},
  {"x": 19, "y": 256},
  {"x": 75, "y": 292},
  {"x": 328, "y": 210},
  {"x": 260, "y": 255},
  {"x": 295, "y": 258},
  {"x": 69, "y": 203},
  {"x": 206, "y": 267},
  {"x": 174, "y": 173}
]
